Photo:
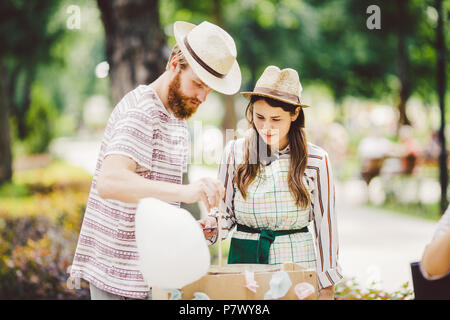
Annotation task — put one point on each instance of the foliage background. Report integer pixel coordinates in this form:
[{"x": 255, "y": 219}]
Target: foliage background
[{"x": 51, "y": 89}]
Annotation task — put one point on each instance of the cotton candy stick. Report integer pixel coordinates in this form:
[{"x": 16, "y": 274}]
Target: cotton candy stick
[{"x": 219, "y": 234}]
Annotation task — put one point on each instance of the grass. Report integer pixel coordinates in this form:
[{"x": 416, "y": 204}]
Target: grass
[
  {"x": 429, "y": 212},
  {"x": 56, "y": 191},
  {"x": 349, "y": 289}
]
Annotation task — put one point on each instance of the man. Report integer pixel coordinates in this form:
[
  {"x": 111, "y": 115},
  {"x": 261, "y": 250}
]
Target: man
[{"x": 144, "y": 154}]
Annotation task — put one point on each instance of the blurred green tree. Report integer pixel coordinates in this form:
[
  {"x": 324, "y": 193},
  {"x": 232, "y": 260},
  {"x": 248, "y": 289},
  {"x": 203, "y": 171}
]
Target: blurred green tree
[
  {"x": 75, "y": 59},
  {"x": 399, "y": 59},
  {"x": 26, "y": 43},
  {"x": 39, "y": 119},
  {"x": 441, "y": 88},
  {"x": 5, "y": 137},
  {"x": 395, "y": 60}
]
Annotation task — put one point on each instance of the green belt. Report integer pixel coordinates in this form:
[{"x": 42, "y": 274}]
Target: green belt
[{"x": 266, "y": 238}]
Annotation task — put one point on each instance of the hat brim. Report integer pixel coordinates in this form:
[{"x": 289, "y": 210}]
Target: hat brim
[
  {"x": 229, "y": 85},
  {"x": 248, "y": 95}
]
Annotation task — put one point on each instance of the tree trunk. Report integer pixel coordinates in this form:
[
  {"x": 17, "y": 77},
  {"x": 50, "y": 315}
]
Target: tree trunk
[
  {"x": 229, "y": 120},
  {"x": 20, "y": 109},
  {"x": 441, "y": 87},
  {"x": 135, "y": 43},
  {"x": 405, "y": 86},
  {"x": 5, "y": 138},
  {"x": 403, "y": 67}
]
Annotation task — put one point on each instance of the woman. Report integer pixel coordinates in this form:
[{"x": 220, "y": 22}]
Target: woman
[{"x": 276, "y": 183}]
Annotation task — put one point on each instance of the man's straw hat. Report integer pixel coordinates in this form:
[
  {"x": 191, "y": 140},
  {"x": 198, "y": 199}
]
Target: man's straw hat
[
  {"x": 283, "y": 85},
  {"x": 211, "y": 53}
]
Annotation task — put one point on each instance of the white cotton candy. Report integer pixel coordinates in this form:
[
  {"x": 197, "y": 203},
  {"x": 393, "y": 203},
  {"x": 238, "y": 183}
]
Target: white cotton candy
[
  {"x": 201, "y": 296},
  {"x": 175, "y": 294},
  {"x": 280, "y": 283},
  {"x": 250, "y": 282},
  {"x": 303, "y": 290},
  {"x": 171, "y": 245}
]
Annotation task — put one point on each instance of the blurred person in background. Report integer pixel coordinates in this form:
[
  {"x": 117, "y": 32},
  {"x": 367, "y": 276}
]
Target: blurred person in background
[
  {"x": 432, "y": 149},
  {"x": 409, "y": 150},
  {"x": 277, "y": 183},
  {"x": 144, "y": 154},
  {"x": 373, "y": 150}
]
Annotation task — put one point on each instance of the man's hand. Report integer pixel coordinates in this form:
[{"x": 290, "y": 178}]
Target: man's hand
[
  {"x": 209, "y": 191},
  {"x": 209, "y": 226}
]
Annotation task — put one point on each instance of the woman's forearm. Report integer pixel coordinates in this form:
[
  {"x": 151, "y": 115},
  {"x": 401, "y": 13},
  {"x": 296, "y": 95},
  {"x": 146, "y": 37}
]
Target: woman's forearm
[
  {"x": 327, "y": 293},
  {"x": 436, "y": 257}
]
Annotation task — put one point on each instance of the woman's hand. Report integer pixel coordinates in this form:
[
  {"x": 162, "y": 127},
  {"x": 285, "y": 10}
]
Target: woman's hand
[
  {"x": 209, "y": 226},
  {"x": 327, "y": 293}
]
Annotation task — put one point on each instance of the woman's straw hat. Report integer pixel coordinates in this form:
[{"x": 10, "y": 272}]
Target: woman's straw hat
[
  {"x": 283, "y": 85},
  {"x": 211, "y": 53}
]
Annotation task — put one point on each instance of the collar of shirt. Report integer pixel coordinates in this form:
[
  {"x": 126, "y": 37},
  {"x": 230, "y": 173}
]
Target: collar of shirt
[
  {"x": 159, "y": 102},
  {"x": 275, "y": 155}
]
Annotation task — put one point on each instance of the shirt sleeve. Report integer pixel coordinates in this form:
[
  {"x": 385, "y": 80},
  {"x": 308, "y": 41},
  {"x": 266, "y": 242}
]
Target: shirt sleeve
[
  {"x": 325, "y": 224},
  {"x": 131, "y": 137},
  {"x": 225, "y": 176},
  {"x": 443, "y": 224}
]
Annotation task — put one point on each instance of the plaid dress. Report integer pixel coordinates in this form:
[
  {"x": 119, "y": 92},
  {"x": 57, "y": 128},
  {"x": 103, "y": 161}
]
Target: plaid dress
[{"x": 270, "y": 205}]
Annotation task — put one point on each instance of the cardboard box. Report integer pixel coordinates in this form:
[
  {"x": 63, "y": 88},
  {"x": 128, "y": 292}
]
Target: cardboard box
[{"x": 228, "y": 282}]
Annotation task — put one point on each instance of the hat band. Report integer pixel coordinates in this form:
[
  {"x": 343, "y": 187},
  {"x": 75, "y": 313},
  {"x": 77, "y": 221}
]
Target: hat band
[
  {"x": 277, "y": 93},
  {"x": 201, "y": 62}
]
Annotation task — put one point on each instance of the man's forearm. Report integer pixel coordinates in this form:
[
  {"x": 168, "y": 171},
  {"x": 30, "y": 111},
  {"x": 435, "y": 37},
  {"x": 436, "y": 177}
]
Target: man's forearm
[
  {"x": 129, "y": 187},
  {"x": 436, "y": 258}
]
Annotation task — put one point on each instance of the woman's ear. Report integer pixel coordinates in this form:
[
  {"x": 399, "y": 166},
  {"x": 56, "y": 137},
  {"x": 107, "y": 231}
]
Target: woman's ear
[{"x": 295, "y": 116}]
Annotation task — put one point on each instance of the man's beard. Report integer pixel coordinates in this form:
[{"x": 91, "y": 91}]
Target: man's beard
[{"x": 179, "y": 103}]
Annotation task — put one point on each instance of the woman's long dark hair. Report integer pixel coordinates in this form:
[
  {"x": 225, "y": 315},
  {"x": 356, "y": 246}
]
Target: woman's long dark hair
[{"x": 246, "y": 171}]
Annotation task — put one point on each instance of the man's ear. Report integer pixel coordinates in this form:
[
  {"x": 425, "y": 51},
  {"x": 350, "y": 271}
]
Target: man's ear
[{"x": 173, "y": 64}]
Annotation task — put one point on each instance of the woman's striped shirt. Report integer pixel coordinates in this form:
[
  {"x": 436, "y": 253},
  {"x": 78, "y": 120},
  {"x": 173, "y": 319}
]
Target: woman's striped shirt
[{"x": 323, "y": 212}]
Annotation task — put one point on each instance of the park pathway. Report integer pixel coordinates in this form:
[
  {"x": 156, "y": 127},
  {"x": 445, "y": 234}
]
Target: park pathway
[
  {"x": 375, "y": 245},
  {"x": 378, "y": 245}
]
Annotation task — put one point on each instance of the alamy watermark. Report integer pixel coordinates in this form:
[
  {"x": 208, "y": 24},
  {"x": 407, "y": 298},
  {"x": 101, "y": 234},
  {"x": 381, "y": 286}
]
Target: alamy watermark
[
  {"x": 374, "y": 20},
  {"x": 74, "y": 19},
  {"x": 207, "y": 144}
]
